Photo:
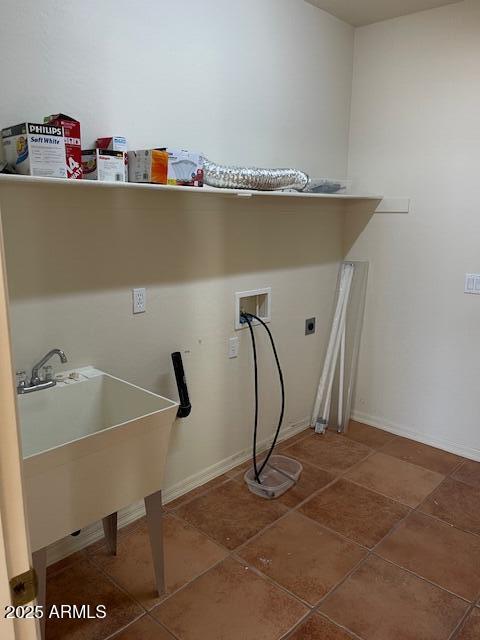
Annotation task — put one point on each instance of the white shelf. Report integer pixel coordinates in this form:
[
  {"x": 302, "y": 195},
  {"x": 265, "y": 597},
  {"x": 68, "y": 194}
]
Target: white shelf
[{"x": 397, "y": 205}]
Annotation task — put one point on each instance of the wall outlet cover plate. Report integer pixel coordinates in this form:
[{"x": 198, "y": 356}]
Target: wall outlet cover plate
[{"x": 139, "y": 297}]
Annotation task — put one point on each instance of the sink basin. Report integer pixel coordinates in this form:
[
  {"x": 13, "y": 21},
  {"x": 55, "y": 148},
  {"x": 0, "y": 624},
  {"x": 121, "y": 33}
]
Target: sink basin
[{"x": 90, "y": 448}]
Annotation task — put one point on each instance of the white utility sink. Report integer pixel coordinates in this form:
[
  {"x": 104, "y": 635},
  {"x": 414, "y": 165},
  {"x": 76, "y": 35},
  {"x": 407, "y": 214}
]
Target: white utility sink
[{"x": 90, "y": 448}]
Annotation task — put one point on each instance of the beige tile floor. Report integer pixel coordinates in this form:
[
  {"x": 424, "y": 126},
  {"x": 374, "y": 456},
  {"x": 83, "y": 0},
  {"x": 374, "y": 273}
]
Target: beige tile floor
[{"x": 380, "y": 540}]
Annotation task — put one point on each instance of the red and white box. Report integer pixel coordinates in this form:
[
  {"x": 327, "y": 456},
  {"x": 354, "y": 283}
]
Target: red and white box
[
  {"x": 73, "y": 146},
  {"x": 115, "y": 143}
]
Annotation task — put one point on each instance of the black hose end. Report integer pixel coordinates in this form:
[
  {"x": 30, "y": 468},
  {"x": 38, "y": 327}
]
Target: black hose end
[
  {"x": 184, "y": 410},
  {"x": 185, "y": 407}
]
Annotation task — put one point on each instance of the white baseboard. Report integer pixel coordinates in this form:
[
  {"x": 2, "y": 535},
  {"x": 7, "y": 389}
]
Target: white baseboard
[
  {"x": 407, "y": 432},
  {"x": 94, "y": 532}
]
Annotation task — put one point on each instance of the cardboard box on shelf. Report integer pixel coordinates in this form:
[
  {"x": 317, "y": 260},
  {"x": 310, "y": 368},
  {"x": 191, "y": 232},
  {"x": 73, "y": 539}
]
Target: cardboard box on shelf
[
  {"x": 115, "y": 143},
  {"x": 104, "y": 165},
  {"x": 148, "y": 165},
  {"x": 35, "y": 149},
  {"x": 73, "y": 145},
  {"x": 185, "y": 168}
]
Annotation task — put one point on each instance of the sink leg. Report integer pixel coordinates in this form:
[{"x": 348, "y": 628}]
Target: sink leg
[
  {"x": 110, "y": 531},
  {"x": 154, "y": 509},
  {"x": 39, "y": 560}
]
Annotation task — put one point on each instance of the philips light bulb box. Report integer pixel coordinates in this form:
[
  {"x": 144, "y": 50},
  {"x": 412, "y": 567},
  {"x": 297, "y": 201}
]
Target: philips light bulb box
[
  {"x": 104, "y": 165},
  {"x": 73, "y": 148},
  {"x": 35, "y": 149}
]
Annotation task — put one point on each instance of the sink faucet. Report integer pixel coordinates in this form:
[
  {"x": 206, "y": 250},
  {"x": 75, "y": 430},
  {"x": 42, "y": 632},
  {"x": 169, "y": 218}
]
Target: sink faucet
[{"x": 36, "y": 383}]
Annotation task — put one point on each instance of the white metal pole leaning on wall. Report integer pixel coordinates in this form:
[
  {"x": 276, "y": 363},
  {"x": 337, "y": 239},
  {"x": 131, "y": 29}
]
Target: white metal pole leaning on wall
[
  {"x": 341, "y": 380},
  {"x": 321, "y": 409},
  {"x": 15, "y": 557},
  {"x": 329, "y": 355},
  {"x": 336, "y": 352}
]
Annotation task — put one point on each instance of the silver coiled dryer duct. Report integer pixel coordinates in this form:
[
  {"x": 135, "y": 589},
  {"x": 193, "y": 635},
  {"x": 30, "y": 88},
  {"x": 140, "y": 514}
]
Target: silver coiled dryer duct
[{"x": 224, "y": 177}]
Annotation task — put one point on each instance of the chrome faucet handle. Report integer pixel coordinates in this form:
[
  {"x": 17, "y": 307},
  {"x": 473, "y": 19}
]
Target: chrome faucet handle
[
  {"x": 47, "y": 373},
  {"x": 21, "y": 377}
]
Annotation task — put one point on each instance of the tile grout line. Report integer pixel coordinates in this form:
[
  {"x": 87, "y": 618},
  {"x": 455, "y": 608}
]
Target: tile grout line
[
  {"x": 167, "y": 595},
  {"x": 455, "y": 468},
  {"x": 354, "y": 635},
  {"x": 164, "y": 627},
  {"x": 320, "y": 525},
  {"x": 300, "y": 504},
  {"x": 168, "y": 509},
  {"x": 342, "y": 475},
  {"x": 228, "y": 477},
  {"x": 115, "y": 634},
  {"x": 353, "y": 570},
  {"x": 187, "y": 584},
  {"x": 111, "y": 579},
  {"x": 417, "y": 575},
  {"x": 121, "y": 629},
  {"x": 396, "y": 527},
  {"x": 288, "y": 509},
  {"x": 234, "y": 552},
  {"x": 315, "y": 608},
  {"x": 433, "y": 517},
  {"x": 461, "y": 622},
  {"x": 241, "y": 562},
  {"x": 371, "y": 552},
  {"x": 235, "y": 478},
  {"x": 271, "y": 581},
  {"x": 195, "y": 528}
]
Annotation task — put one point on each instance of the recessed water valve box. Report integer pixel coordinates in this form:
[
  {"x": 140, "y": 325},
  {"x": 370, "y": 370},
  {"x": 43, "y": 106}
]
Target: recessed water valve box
[{"x": 256, "y": 301}]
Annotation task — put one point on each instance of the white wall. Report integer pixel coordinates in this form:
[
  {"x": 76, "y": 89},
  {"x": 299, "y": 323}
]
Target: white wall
[
  {"x": 264, "y": 81},
  {"x": 415, "y": 131},
  {"x": 260, "y": 81}
]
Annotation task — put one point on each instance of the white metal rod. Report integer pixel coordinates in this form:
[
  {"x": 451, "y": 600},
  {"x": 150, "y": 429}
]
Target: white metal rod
[
  {"x": 328, "y": 374},
  {"x": 341, "y": 380},
  {"x": 331, "y": 347},
  {"x": 336, "y": 352}
]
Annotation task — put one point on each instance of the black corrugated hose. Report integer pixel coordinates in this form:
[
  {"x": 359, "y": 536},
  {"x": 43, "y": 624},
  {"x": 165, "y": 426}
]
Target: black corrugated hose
[{"x": 247, "y": 317}]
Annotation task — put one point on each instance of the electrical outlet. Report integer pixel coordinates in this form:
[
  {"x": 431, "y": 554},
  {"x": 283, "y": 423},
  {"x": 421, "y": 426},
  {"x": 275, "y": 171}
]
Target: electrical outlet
[
  {"x": 310, "y": 326},
  {"x": 139, "y": 297},
  {"x": 233, "y": 347}
]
